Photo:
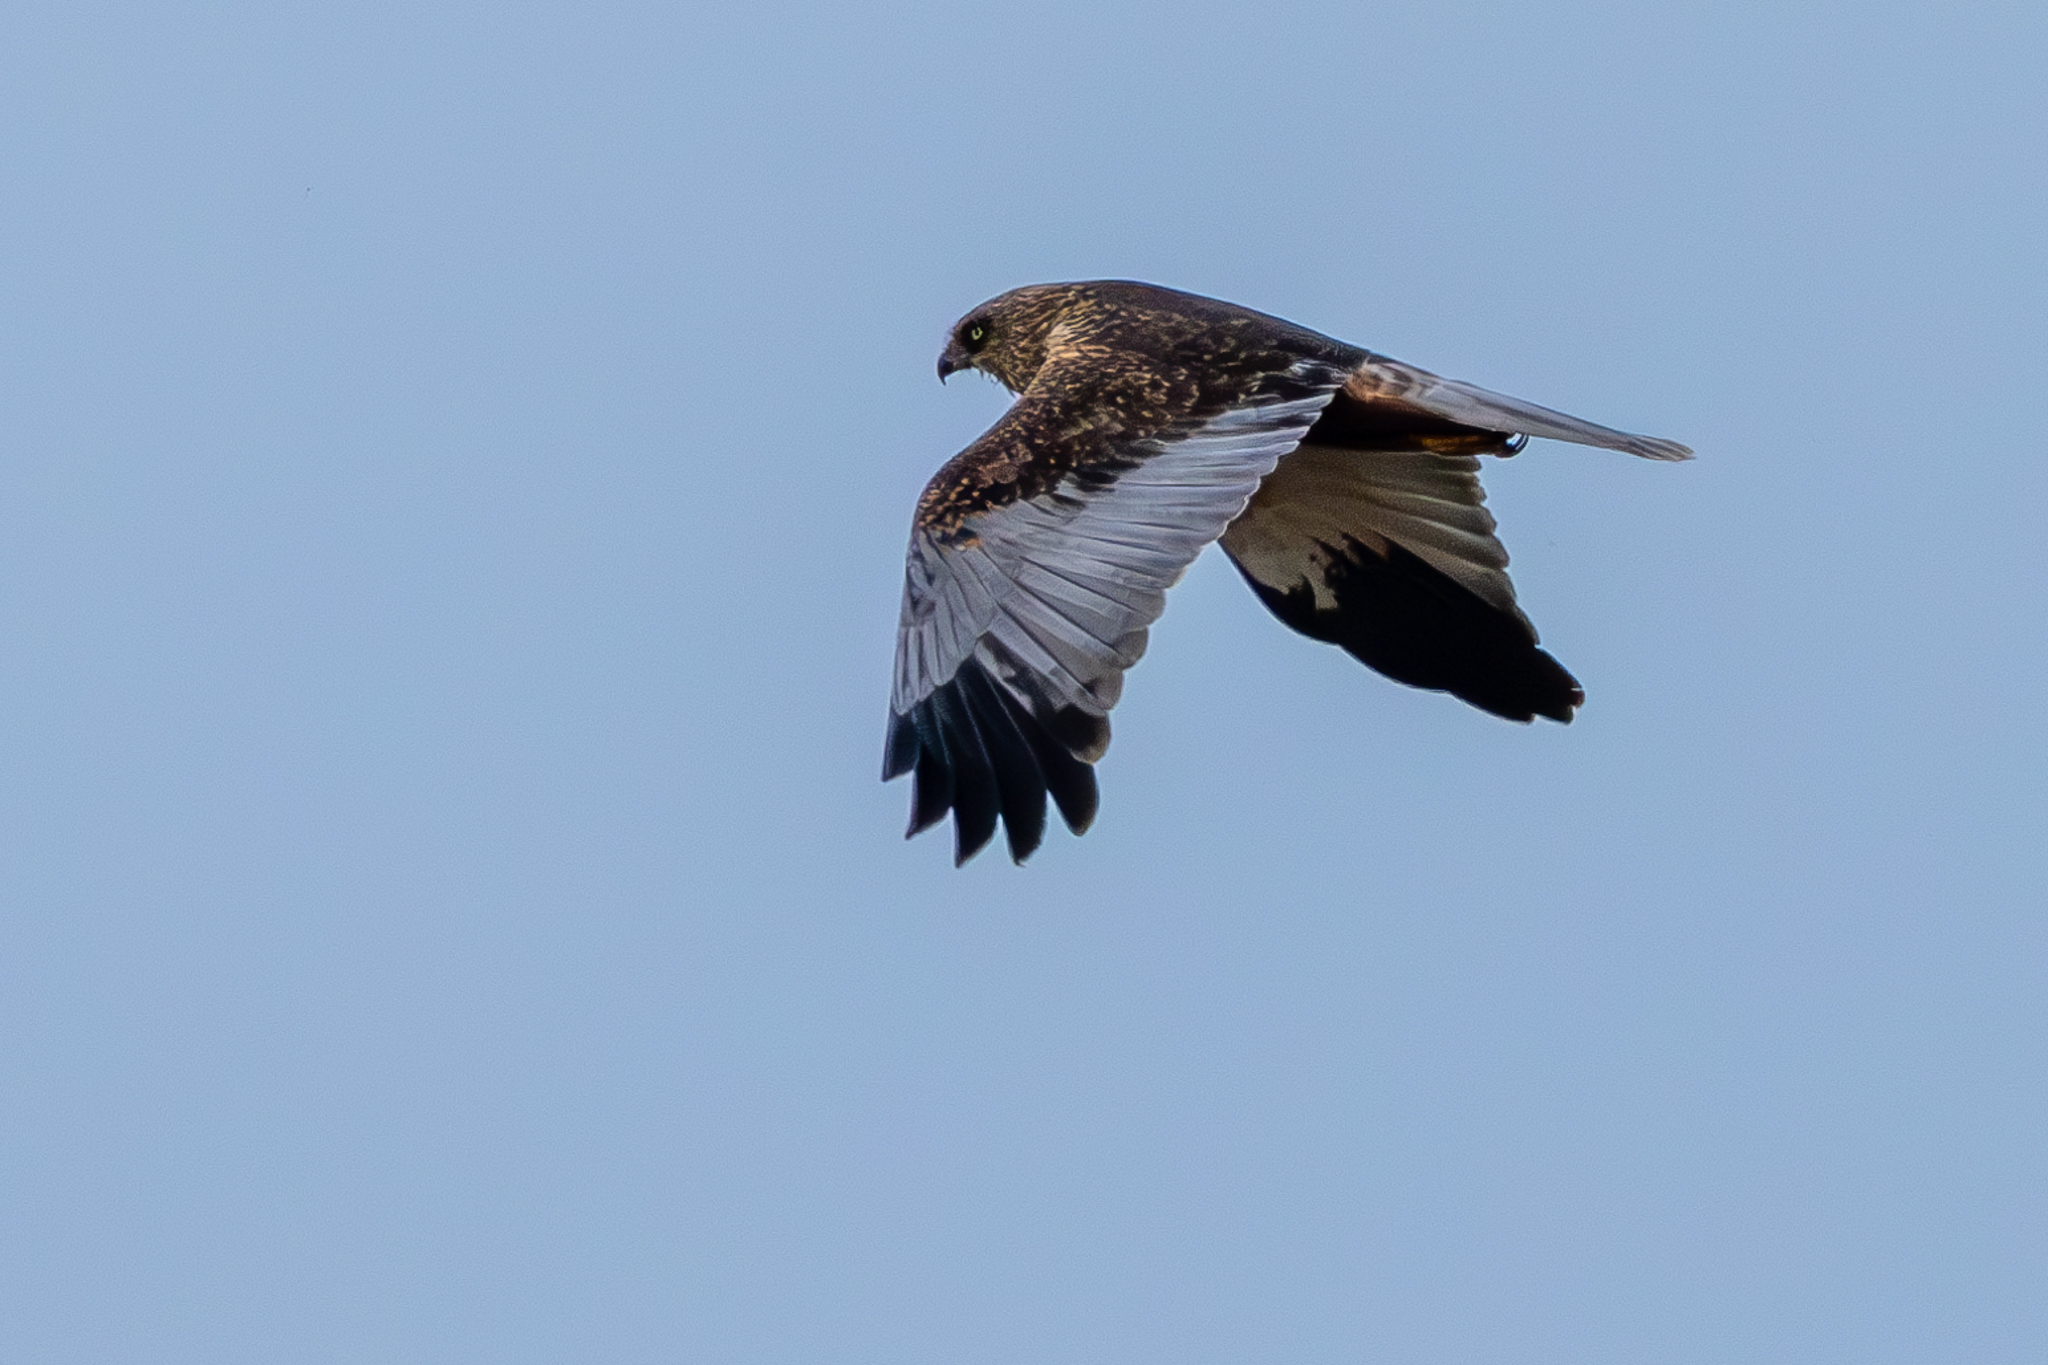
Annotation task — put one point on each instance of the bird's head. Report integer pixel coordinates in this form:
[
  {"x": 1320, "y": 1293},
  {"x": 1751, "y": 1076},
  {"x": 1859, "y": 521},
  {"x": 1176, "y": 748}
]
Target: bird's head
[{"x": 1008, "y": 337}]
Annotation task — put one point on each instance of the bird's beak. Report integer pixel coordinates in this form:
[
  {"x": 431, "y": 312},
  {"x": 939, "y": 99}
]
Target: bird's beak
[{"x": 952, "y": 360}]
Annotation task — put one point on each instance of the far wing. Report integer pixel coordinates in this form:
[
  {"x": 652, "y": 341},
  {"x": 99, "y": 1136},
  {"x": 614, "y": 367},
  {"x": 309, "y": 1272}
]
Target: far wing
[
  {"x": 1381, "y": 380},
  {"x": 1391, "y": 555},
  {"x": 1018, "y": 624},
  {"x": 1374, "y": 535}
]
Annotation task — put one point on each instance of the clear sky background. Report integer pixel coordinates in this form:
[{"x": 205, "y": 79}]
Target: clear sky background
[{"x": 455, "y": 462}]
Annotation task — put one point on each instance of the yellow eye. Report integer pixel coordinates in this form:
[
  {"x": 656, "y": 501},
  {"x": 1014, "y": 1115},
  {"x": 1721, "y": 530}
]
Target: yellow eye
[{"x": 976, "y": 334}]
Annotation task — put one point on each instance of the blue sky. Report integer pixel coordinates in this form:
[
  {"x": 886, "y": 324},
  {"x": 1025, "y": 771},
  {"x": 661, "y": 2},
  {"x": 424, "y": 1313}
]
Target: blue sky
[{"x": 457, "y": 466}]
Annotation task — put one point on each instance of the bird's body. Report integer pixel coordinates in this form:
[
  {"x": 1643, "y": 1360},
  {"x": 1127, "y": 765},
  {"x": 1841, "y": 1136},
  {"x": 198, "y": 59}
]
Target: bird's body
[{"x": 1343, "y": 485}]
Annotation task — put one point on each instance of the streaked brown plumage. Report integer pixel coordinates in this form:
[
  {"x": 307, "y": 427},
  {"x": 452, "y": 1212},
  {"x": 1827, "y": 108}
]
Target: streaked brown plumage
[{"x": 1344, "y": 485}]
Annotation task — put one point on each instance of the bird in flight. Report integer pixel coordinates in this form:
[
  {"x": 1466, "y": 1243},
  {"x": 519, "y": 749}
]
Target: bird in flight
[{"x": 1148, "y": 422}]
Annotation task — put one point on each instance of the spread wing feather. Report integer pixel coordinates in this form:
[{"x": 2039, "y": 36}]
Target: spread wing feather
[{"x": 1018, "y": 624}]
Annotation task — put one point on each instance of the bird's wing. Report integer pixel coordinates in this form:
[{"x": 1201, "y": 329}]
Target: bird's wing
[
  {"x": 1020, "y": 616},
  {"x": 1381, "y": 381},
  {"x": 1391, "y": 554},
  {"x": 1374, "y": 536}
]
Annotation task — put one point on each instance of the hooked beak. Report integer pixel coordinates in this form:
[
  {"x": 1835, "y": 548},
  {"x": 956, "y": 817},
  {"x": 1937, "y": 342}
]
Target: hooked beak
[{"x": 952, "y": 360}]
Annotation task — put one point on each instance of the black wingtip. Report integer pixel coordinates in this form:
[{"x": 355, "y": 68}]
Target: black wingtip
[
  {"x": 977, "y": 803},
  {"x": 931, "y": 792},
  {"x": 1566, "y": 710},
  {"x": 979, "y": 752},
  {"x": 1401, "y": 616},
  {"x": 1020, "y": 785},
  {"x": 899, "y": 750}
]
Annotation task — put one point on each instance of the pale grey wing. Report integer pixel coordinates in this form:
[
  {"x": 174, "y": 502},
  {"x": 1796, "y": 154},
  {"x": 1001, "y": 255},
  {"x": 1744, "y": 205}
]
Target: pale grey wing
[
  {"x": 1391, "y": 555},
  {"x": 1383, "y": 380},
  {"x": 1017, "y": 629}
]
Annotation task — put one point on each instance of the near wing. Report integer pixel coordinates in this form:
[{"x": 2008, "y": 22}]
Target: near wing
[{"x": 1017, "y": 627}]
